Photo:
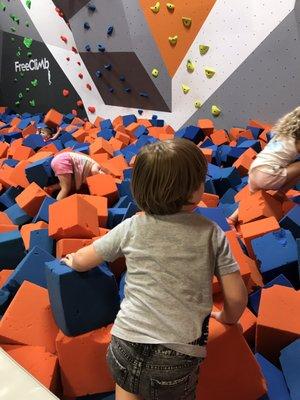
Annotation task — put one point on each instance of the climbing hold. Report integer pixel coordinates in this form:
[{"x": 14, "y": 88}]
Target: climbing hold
[
  {"x": 203, "y": 49},
  {"x": 16, "y": 80},
  {"x": 198, "y": 104},
  {"x": 101, "y": 48},
  {"x": 92, "y": 109},
  {"x": 155, "y": 72},
  {"x": 22, "y": 74},
  {"x": 34, "y": 83},
  {"x": 170, "y": 7},
  {"x": 87, "y": 47},
  {"x": 27, "y": 24},
  {"x": 91, "y": 7},
  {"x": 65, "y": 92},
  {"x": 13, "y": 29},
  {"x": 190, "y": 66},
  {"x": 32, "y": 103},
  {"x": 108, "y": 67},
  {"x": 17, "y": 103},
  {"x": 89, "y": 86},
  {"x": 78, "y": 62},
  {"x": 209, "y": 72},
  {"x": 12, "y": 39},
  {"x": 27, "y": 89},
  {"x": 86, "y": 26},
  {"x": 28, "y": 3},
  {"x": 173, "y": 40},
  {"x": 2, "y": 6},
  {"x": 18, "y": 53},
  {"x": 155, "y": 8},
  {"x": 79, "y": 103},
  {"x": 187, "y": 22},
  {"x": 74, "y": 50},
  {"x": 20, "y": 95},
  {"x": 111, "y": 90},
  {"x": 29, "y": 54},
  {"x": 140, "y": 112},
  {"x": 64, "y": 39},
  {"x": 215, "y": 110},
  {"x": 80, "y": 75},
  {"x": 122, "y": 78},
  {"x": 144, "y": 94},
  {"x": 110, "y": 30},
  {"x": 15, "y": 18},
  {"x": 127, "y": 90},
  {"x": 68, "y": 58},
  {"x": 185, "y": 88},
  {"x": 98, "y": 73},
  {"x": 27, "y": 42}
]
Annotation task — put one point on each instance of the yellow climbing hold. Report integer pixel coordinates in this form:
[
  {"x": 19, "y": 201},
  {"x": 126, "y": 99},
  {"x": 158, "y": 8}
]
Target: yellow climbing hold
[
  {"x": 185, "y": 89},
  {"x": 170, "y": 7},
  {"x": 190, "y": 66},
  {"x": 198, "y": 104},
  {"x": 155, "y": 72},
  {"x": 187, "y": 22},
  {"x": 215, "y": 110},
  {"x": 155, "y": 8},
  {"x": 209, "y": 72},
  {"x": 203, "y": 49},
  {"x": 173, "y": 40}
]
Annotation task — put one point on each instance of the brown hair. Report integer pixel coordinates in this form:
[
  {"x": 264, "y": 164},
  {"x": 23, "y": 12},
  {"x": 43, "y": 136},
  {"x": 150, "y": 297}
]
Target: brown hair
[{"x": 166, "y": 174}]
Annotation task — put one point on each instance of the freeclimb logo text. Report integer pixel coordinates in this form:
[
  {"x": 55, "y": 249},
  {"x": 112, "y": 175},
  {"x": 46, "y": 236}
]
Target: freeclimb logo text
[{"x": 32, "y": 65}]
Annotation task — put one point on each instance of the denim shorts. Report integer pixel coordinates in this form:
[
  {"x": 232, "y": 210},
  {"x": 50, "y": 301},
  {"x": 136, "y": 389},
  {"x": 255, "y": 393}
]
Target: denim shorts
[{"x": 153, "y": 371}]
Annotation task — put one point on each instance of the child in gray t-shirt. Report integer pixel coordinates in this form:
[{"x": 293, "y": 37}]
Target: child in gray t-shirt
[{"x": 172, "y": 254}]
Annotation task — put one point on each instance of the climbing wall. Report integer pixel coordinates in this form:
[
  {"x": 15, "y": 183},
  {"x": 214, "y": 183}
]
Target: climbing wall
[{"x": 172, "y": 58}]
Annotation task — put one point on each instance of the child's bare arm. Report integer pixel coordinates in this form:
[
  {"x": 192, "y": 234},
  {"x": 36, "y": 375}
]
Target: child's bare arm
[
  {"x": 235, "y": 298},
  {"x": 84, "y": 259}
]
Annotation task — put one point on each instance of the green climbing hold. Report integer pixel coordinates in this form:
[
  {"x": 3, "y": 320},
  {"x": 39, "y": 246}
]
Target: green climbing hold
[
  {"x": 27, "y": 24},
  {"x": 13, "y": 29},
  {"x": 20, "y": 95},
  {"x": 28, "y": 3},
  {"x": 29, "y": 54},
  {"x": 17, "y": 103},
  {"x": 27, "y": 89},
  {"x": 34, "y": 83},
  {"x": 2, "y": 6},
  {"x": 32, "y": 103},
  {"x": 15, "y": 80},
  {"x": 18, "y": 53},
  {"x": 15, "y": 18},
  {"x": 12, "y": 39},
  {"x": 22, "y": 74},
  {"x": 27, "y": 42}
]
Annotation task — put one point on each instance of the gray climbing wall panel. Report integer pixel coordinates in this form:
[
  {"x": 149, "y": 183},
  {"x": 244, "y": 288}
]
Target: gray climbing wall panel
[{"x": 266, "y": 85}]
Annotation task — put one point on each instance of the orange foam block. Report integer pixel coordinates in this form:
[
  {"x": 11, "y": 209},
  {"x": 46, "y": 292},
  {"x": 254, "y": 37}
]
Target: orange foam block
[
  {"x": 8, "y": 228},
  {"x": 82, "y": 360},
  {"x": 38, "y": 362},
  {"x": 219, "y": 137},
  {"x": 100, "y": 158},
  {"x": 207, "y": 126},
  {"x": 103, "y": 185},
  {"x": 278, "y": 322},
  {"x": 29, "y": 130},
  {"x": 257, "y": 228},
  {"x": 73, "y": 217},
  {"x": 259, "y": 205},
  {"x": 5, "y": 178},
  {"x": 207, "y": 153},
  {"x": 22, "y": 153},
  {"x": 31, "y": 199},
  {"x": 18, "y": 175},
  {"x": 101, "y": 145},
  {"x": 123, "y": 137},
  {"x": 4, "y": 219},
  {"x": 3, "y": 149},
  {"x": 230, "y": 370},
  {"x": 28, "y": 228},
  {"x": 100, "y": 203},
  {"x": 116, "y": 165},
  {"x": 211, "y": 200},
  {"x": 28, "y": 319},
  {"x": 242, "y": 164},
  {"x": 116, "y": 144},
  {"x": 53, "y": 118},
  {"x": 67, "y": 246},
  {"x": 4, "y": 275}
]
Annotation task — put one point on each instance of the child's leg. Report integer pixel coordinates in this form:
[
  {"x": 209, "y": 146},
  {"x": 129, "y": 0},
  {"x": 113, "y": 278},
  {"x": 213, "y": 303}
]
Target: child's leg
[
  {"x": 65, "y": 182},
  {"x": 293, "y": 176},
  {"x": 121, "y": 394}
]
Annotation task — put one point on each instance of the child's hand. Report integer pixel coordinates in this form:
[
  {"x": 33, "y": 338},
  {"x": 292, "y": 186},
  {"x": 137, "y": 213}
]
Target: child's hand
[
  {"x": 68, "y": 260},
  {"x": 219, "y": 316}
]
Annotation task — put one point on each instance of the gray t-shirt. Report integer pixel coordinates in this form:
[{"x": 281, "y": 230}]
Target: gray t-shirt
[{"x": 171, "y": 261}]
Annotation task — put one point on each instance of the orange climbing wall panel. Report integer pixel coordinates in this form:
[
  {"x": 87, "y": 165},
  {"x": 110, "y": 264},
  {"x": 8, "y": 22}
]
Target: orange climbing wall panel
[{"x": 166, "y": 23}]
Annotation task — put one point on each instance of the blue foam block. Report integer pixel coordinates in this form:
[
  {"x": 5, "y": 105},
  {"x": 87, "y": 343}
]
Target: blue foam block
[
  {"x": 24, "y": 123},
  {"x": 224, "y": 179},
  {"x": 221, "y": 154},
  {"x": 106, "y": 133},
  {"x": 11, "y": 249},
  {"x": 10, "y": 137},
  {"x": 255, "y": 131},
  {"x": 207, "y": 143},
  {"x": 277, "y": 388},
  {"x": 157, "y": 122},
  {"x": 209, "y": 186},
  {"x": 7, "y": 199},
  {"x": 95, "y": 307},
  {"x": 32, "y": 267},
  {"x": 7, "y": 293},
  {"x": 141, "y": 130},
  {"x": 17, "y": 215},
  {"x": 254, "y": 144},
  {"x": 276, "y": 253},
  {"x": 57, "y": 143},
  {"x": 82, "y": 148},
  {"x": 106, "y": 124},
  {"x": 124, "y": 189},
  {"x": 41, "y": 239},
  {"x": 123, "y": 202},
  {"x": 193, "y": 133},
  {"x": 290, "y": 363},
  {"x": 254, "y": 298},
  {"x": 10, "y": 162},
  {"x": 131, "y": 210},
  {"x": 34, "y": 141},
  {"x": 128, "y": 173},
  {"x": 214, "y": 214},
  {"x": 228, "y": 196},
  {"x": 43, "y": 213},
  {"x": 291, "y": 221},
  {"x": 129, "y": 119},
  {"x": 41, "y": 172},
  {"x": 65, "y": 137},
  {"x": 228, "y": 209},
  {"x": 115, "y": 216}
]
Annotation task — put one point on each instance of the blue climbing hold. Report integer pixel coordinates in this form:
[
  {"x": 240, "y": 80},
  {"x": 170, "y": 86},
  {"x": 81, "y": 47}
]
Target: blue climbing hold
[
  {"x": 127, "y": 90},
  {"x": 144, "y": 94},
  {"x": 111, "y": 90},
  {"x": 140, "y": 112},
  {"x": 101, "y": 48},
  {"x": 98, "y": 73},
  {"x": 88, "y": 47},
  {"x": 122, "y": 78},
  {"x": 86, "y": 26},
  {"x": 91, "y": 7},
  {"x": 110, "y": 30},
  {"x": 108, "y": 67}
]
